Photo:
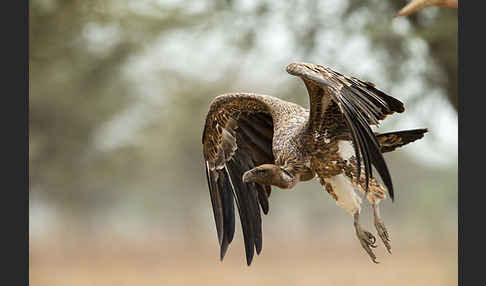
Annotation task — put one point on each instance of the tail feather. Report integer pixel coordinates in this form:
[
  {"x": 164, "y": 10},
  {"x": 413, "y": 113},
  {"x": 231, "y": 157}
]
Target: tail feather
[{"x": 392, "y": 140}]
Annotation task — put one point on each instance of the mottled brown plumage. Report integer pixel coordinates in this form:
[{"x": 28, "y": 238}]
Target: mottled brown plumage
[{"x": 252, "y": 141}]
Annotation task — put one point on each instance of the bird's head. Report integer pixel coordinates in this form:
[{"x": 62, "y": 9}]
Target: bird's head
[{"x": 269, "y": 174}]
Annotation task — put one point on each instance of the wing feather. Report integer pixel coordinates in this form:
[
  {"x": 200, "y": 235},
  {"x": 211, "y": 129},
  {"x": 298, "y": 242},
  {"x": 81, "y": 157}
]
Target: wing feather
[
  {"x": 361, "y": 105},
  {"x": 238, "y": 137}
]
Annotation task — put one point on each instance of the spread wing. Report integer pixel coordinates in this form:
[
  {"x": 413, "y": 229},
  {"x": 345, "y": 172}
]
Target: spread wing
[
  {"x": 237, "y": 137},
  {"x": 336, "y": 99}
]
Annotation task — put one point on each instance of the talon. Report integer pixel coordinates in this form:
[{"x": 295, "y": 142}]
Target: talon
[
  {"x": 372, "y": 238},
  {"x": 381, "y": 229},
  {"x": 383, "y": 233},
  {"x": 366, "y": 239}
]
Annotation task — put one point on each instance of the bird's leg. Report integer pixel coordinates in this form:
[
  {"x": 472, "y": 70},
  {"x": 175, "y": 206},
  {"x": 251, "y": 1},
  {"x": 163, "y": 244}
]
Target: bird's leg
[
  {"x": 366, "y": 239},
  {"x": 380, "y": 227},
  {"x": 376, "y": 194},
  {"x": 341, "y": 189}
]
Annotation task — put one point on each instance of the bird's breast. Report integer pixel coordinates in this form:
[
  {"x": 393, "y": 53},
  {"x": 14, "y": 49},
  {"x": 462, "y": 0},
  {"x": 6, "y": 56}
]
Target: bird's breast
[{"x": 330, "y": 159}]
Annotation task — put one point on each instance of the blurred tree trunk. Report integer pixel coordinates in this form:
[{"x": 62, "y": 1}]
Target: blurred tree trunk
[{"x": 442, "y": 37}]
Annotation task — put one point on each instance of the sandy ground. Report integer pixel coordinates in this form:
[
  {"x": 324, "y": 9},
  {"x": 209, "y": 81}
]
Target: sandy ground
[{"x": 114, "y": 261}]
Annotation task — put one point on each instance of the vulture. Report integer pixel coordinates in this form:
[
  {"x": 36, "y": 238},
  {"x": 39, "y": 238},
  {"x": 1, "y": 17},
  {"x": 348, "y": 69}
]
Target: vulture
[{"x": 253, "y": 142}]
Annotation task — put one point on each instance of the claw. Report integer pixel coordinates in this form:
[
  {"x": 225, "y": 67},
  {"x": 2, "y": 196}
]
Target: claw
[
  {"x": 383, "y": 233},
  {"x": 381, "y": 229},
  {"x": 366, "y": 239},
  {"x": 370, "y": 239}
]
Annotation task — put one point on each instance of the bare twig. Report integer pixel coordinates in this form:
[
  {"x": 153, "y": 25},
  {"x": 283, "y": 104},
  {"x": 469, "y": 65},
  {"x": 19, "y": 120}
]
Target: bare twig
[{"x": 417, "y": 5}]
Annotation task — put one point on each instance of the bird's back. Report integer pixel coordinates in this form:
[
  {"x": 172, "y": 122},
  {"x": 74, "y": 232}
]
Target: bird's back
[{"x": 290, "y": 122}]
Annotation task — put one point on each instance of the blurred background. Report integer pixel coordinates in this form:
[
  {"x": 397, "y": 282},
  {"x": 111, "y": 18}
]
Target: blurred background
[{"x": 119, "y": 91}]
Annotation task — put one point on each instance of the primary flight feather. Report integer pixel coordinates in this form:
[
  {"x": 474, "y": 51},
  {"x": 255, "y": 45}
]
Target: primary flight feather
[{"x": 252, "y": 142}]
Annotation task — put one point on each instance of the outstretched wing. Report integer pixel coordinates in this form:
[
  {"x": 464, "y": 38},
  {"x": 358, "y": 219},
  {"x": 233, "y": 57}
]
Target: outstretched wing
[
  {"x": 237, "y": 137},
  {"x": 337, "y": 99}
]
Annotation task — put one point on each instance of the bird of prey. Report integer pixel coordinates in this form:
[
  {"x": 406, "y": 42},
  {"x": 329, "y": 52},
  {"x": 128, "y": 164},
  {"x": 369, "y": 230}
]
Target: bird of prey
[{"x": 252, "y": 142}]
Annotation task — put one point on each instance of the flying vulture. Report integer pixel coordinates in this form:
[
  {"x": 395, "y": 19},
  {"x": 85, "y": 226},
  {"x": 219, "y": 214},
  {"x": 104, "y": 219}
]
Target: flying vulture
[{"x": 252, "y": 142}]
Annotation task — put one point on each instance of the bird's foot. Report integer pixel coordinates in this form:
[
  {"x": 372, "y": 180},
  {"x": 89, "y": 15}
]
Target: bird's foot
[
  {"x": 383, "y": 233},
  {"x": 366, "y": 239},
  {"x": 381, "y": 229}
]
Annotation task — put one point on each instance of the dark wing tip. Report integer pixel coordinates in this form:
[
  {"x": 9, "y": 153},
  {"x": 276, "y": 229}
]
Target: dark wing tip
[
  {"x": 244, "y": 141},
  {"x": 223, "y": 249},
  {"x": 395, "y": 104},
  {"x": 419, "y": 133}
]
